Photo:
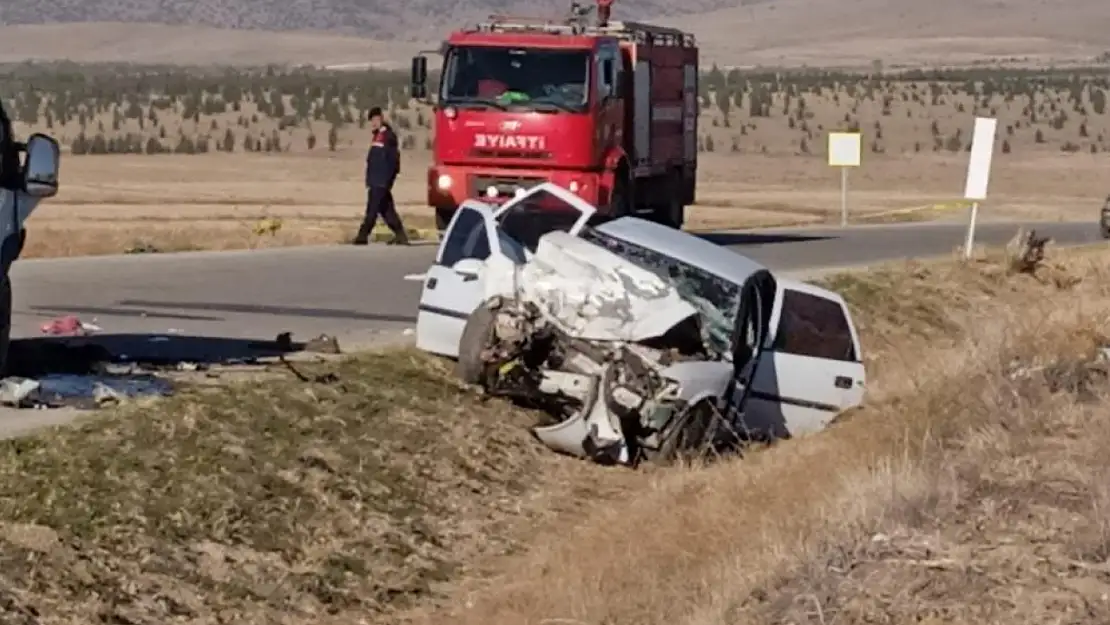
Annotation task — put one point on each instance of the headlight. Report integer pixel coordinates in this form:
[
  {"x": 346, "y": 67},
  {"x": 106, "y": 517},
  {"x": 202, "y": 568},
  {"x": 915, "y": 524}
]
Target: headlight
[{"x": 443, "y": 182}]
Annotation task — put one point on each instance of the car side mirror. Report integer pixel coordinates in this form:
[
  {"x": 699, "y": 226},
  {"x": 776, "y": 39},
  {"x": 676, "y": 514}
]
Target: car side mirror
[
  {"x": 40, "y": 170},
  {"x": 418, "y": 87}
]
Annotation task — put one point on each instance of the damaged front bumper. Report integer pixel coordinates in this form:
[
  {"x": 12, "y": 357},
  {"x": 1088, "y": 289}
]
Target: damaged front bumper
[{"x": 611, "y": 402}]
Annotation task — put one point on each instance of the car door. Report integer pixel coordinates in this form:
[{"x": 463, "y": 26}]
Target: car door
[
  {"x": 810, "y": 370},
  {"x": 455, "y": 283}
]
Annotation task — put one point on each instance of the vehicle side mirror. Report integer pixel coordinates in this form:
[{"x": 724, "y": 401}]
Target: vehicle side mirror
[
  {"x": 418, "y": 87},
  {"x": 40, "y": 170}
]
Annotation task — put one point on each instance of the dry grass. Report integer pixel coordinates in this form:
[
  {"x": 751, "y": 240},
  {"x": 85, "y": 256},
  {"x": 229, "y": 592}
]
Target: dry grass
[
  {"x": 971, "y": 489},
  {"x": 755, "y": 171},
  {"x": 958, "y": 494},
  {"x": 111, "y": 204},
  {"x": 273, "y": 499}
]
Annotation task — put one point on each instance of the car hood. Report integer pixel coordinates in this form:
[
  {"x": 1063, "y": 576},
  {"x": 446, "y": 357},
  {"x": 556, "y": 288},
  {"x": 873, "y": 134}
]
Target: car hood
[{"x": 592, "y": 294}]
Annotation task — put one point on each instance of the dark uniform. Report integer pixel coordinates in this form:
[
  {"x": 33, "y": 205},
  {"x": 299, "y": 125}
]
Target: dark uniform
[{"x": 383, "y": 163}]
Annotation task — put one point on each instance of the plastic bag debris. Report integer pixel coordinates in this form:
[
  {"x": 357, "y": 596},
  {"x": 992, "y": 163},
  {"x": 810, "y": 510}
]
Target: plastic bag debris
[
  {"x": 69, "y": 325},
  {"x": 19, "y": 392}
]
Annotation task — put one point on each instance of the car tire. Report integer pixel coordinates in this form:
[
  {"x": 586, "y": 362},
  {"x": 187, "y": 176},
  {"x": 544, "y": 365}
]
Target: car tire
[
  {"x": 470, "y": 368},
  {"x": 691, "y": 436},
  {"x": 5, "y": 322}
]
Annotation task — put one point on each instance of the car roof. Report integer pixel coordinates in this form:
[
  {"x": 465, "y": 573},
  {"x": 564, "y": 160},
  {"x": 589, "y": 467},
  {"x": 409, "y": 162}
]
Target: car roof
[{"x": 683, "y": 246}]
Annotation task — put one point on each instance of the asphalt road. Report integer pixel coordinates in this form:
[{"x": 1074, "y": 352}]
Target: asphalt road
[{"x": 357, "y": 293}]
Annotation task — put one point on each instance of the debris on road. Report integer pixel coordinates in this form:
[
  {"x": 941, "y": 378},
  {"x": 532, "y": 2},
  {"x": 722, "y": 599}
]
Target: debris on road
[
  {"x": 69, "y": 325},
  {"x": 18, "y": 392}
]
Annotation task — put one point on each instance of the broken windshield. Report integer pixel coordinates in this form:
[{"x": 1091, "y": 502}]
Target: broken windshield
[
  {"x": 716, "y": 299},
  {"x": 530, "y": 78}
]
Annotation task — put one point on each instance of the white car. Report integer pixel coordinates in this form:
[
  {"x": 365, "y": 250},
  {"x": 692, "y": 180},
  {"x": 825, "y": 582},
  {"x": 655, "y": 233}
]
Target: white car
[{"x": 641, "y": 340}]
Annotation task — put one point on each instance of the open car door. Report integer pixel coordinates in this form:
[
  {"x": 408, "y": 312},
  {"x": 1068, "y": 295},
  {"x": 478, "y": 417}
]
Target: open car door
[
  {"x": 810, "y": 370},
  {"x": 454, "y": 285},
  {"x": 541, "y": 209}
]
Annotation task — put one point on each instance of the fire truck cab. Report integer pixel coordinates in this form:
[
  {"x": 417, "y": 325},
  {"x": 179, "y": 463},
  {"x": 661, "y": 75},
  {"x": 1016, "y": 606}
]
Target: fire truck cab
[{"x": 605, "y": 109}]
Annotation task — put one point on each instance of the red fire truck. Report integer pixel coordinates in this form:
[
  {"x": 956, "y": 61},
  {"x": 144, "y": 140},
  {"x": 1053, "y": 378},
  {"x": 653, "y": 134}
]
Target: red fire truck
[{"x": 606, "y": 109}]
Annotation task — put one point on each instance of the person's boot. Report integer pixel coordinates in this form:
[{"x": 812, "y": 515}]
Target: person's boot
[
  {"x": 399, "y": 238},
  {"x": 363, "y": 236}
]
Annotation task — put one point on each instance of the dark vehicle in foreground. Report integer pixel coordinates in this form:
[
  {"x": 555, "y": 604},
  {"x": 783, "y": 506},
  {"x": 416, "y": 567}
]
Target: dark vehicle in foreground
[{"x": 28, "y": 175}]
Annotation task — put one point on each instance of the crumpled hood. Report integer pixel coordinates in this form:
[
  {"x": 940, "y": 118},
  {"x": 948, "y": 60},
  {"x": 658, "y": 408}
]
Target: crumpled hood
[{"x": 592, "y": 294}]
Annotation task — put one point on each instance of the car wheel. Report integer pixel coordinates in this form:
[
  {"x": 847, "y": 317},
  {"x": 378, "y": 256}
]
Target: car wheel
[
  {"x": 692, "y": 435},
  {"x": 470, "y": 367}
]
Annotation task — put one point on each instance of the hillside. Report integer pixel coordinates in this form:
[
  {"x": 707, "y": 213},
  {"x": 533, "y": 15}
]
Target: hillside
[{"x": 733, "y": 32}]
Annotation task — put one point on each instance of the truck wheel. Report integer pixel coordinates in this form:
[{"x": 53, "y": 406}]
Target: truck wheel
[
  {"x": 470, "y": 368},
  {"x": 672, "y": 214},
  {"x": 443, "y": 219},
  {"x": 620, "y": 201},
  {"x": 5, "y": 322}
]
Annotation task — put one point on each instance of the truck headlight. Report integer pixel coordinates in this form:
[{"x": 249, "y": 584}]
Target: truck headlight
[{"x": 443, "y": 182}]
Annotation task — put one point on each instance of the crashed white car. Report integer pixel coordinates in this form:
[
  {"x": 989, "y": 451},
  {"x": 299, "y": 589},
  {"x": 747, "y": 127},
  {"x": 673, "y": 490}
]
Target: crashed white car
[{"x": 640, "y": 340}]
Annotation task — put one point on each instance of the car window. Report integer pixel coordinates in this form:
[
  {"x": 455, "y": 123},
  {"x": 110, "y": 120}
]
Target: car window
[
  {"x": 467, "y": 239},
  {"x": 814, "y": 326}
]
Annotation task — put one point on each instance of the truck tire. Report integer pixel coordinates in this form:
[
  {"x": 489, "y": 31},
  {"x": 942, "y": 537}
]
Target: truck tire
[
  {"x": 443, "y": 219},
  {"x": 672, "y": 214},
  {"x": 5, "y": 322},
  {"x": 469, "y": 367},
  {"x": 620, "y": 200}
]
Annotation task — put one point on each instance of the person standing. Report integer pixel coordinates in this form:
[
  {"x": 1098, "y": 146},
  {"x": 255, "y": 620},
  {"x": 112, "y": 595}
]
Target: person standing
[{"x": 383, "y": 163}]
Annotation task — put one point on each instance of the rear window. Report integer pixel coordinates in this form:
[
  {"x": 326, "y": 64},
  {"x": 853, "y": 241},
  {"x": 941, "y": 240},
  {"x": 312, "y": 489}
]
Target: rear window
[{"x": 814, "y": 326}]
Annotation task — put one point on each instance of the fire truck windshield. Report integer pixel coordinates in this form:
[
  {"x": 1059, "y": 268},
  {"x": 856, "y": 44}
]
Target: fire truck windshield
[{"x": 518, "y": 78}]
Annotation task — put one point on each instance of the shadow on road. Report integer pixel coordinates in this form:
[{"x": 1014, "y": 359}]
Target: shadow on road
[
  {"x": 285, "y": 311},
  {"x": 36, "y": 357},
  {"x": 119, "y": 312},
  {"x": 756, "y": 238}
]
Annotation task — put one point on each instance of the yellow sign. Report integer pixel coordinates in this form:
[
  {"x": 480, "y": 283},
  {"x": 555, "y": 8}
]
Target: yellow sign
[{"x": 844, "y": 149}]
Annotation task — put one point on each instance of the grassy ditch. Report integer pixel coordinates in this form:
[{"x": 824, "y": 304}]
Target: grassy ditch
[
  {"x": 360, "y": 492},
  {"x": 965, "y": 492},
  {"x": 380, "y": 491}
]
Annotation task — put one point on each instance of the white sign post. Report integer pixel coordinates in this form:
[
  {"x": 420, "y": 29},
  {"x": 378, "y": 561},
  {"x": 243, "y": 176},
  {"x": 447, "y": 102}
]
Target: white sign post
[
  {"x": 978, "y": 173},
  {"x": 844, "y": 152}
]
